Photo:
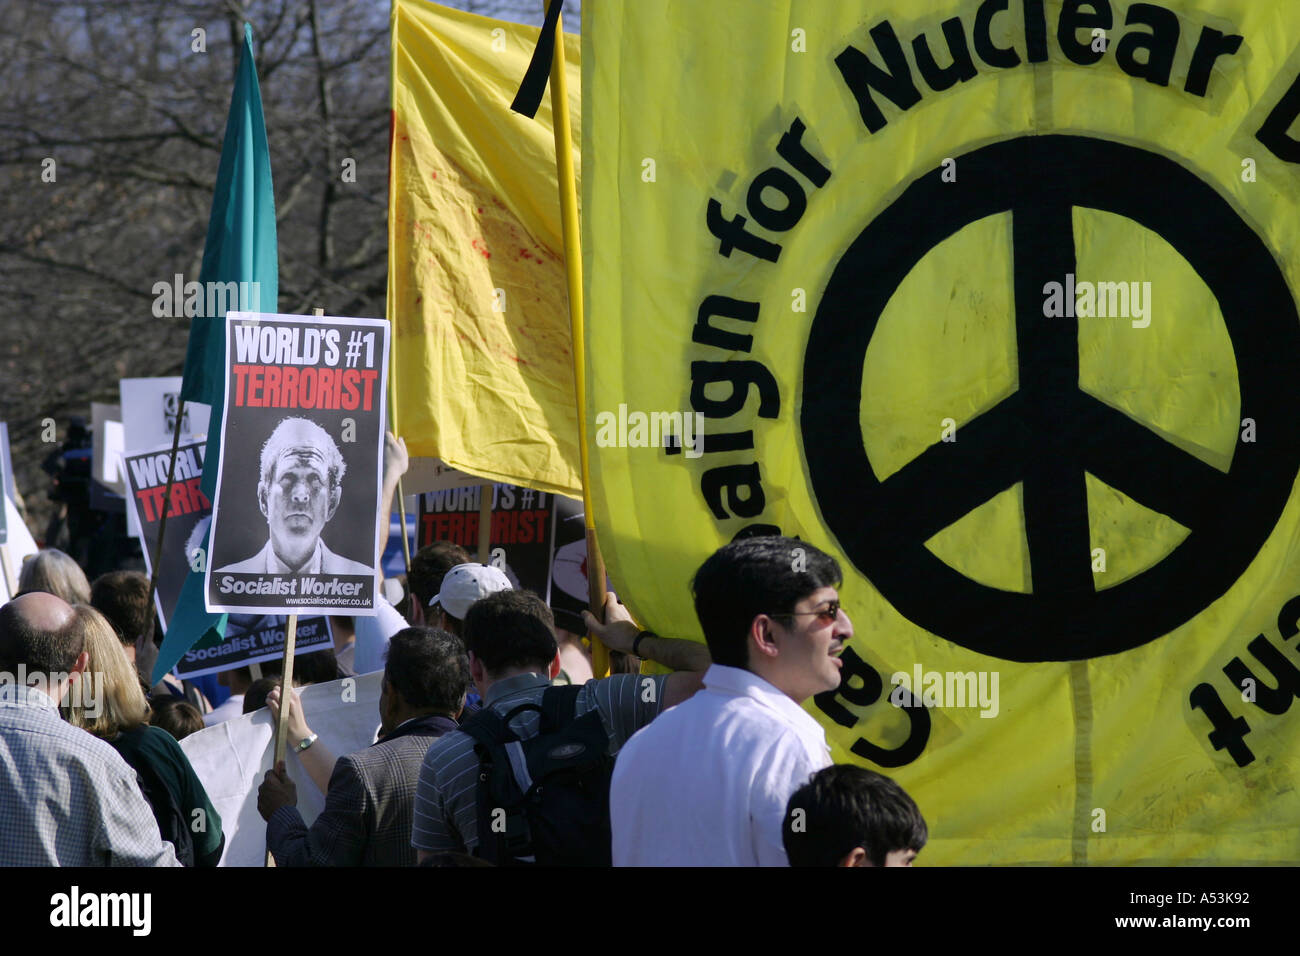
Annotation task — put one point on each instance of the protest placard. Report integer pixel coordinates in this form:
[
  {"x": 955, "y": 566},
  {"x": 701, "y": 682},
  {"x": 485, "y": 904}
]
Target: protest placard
[
  {"x": 106, "y": 487},
  {"x": 149, "y": 407},
  {"x": 8, "y": 566},
  {"x": 20, "y": 546},
  {"x": 248, "y": 638},
  {"x": 433, "y": 474},
  {"x": 522, "y": 528},
  {"x": 567, "y": 586},
  {"x": 295, "y": 518},
  {"x": 232, "y": 758},
  {"x": 188, "y": 514}
]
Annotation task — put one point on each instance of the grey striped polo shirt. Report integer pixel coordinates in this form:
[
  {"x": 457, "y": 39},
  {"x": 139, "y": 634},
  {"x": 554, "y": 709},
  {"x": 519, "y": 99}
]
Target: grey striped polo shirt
[{"x": 445, "y": 811}]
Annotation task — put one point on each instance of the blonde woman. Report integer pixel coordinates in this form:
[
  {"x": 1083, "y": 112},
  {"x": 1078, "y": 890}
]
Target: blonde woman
[{"x": 111, "y": 704}]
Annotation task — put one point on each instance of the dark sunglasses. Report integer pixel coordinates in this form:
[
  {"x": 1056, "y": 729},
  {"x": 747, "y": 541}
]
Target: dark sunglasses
[{"x": 827, "y": 615}]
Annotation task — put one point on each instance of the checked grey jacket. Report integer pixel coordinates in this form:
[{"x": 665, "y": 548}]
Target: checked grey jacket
[{"x": 368, "y": 808}]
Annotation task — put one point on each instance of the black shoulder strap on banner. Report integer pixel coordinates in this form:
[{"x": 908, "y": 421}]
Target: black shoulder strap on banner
[{"x": 529, "y": 97}]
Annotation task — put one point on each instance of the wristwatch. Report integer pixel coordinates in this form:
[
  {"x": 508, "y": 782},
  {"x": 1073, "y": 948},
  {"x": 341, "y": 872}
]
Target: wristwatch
[
  {"x": 636, "y": 642},
  {"x": 305, "y": 743}
]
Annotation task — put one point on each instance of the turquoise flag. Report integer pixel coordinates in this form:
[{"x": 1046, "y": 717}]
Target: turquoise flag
[{"x": 240, "y": 249}]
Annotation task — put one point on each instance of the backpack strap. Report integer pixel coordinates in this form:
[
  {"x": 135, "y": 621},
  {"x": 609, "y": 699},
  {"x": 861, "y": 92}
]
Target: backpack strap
[
  {"x": 491, "y": 729},
  {"x": 500, "y": 754},
  {"x": 515, "y": 712},
  {"x": 488, "y": 732},
  {"x": 558, "y": 705}
]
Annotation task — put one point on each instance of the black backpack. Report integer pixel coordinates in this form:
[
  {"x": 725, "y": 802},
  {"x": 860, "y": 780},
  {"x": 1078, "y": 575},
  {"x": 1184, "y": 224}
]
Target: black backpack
[{"x": 543, "y": 800}]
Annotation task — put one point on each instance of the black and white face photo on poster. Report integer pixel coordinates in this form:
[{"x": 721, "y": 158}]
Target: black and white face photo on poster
[
  {"x": 299, "y": 489},
  {"x": 299, "y": 477}
]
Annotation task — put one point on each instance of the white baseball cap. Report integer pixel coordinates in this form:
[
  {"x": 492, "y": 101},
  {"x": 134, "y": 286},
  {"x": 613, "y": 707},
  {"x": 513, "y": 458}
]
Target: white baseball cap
[{"x": 466, "y": 583}]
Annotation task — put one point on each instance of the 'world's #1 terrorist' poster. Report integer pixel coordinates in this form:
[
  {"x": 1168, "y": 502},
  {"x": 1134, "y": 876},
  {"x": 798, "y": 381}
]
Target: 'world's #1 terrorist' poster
[
  {"x": 187, "y": 512},
  {"x": 248, "y": 638},
  {"x": 295, "y": 527}
]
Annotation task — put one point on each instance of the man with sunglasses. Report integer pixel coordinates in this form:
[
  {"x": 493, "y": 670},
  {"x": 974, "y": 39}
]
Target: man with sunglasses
[{"x": 706, "y": 784}]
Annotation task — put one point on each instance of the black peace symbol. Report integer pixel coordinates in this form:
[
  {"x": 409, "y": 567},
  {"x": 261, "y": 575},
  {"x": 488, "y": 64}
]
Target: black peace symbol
[{"x": 1049, "y": 432}]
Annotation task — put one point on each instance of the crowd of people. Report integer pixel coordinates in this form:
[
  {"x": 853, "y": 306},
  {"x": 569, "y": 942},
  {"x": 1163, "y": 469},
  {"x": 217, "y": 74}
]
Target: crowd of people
[{"x": 496, "y": 743}]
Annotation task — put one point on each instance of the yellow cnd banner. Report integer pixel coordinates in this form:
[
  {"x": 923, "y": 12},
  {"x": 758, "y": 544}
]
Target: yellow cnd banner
[
  {"x": 996, "y": 302},
  {"x": 483, "y": 367}
]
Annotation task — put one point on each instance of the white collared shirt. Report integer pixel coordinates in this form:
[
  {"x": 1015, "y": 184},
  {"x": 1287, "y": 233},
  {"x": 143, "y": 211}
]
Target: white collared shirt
[
  {"x": 232, "y": 707},
  {"x": 275, "y": 566},
  {"x": 706, "y": 784}
]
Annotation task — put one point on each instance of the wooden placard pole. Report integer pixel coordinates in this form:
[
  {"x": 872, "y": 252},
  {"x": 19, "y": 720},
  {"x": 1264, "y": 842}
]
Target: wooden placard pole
[
  {"x": 162, "y": 527},
  {"x": 286, "y": 686},
  {"x": 286, "y": 673},
  {"x": 485, "y": 522},
  {"x": 406, "y": 544}
]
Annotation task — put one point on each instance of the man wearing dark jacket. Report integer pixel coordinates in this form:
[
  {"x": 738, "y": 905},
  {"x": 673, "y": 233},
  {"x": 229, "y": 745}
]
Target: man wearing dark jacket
[{"x": 371, "y": 793}]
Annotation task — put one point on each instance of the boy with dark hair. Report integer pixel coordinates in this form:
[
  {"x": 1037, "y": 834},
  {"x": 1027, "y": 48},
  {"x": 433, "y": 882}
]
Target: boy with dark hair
[
  {"x": 735, "y": 751},
  {"x": 851, "y": 816},
  {"x": 428, "y": 567},
  {"x": 258, "y": 691},
  {"x": 427, "y": 669},
  {"x": 515, "y": 629},
  {"x": 179, "y": 718},
  {"x": 123, "y": 598},
  {"x": 752, "y": 577}
]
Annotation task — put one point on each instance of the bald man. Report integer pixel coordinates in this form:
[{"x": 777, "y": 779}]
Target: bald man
[
  {"x": 68, "y": 799},
  {"x": 299, "y": 490}
]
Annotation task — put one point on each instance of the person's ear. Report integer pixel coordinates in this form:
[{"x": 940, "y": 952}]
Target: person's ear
[
  {"x": 855, "y": 857},
  {"x": 476, "y": 671},
  {"x": 395, "y": 699},
  {"x": 762, "y": 636},
  {"x": 74, "y": 676},
  {"x": 336, "y": 495},
  {"x": 261, "y": 497},
  {"x": 416, "y": 611},
  {"x": 555, "y": 666}
]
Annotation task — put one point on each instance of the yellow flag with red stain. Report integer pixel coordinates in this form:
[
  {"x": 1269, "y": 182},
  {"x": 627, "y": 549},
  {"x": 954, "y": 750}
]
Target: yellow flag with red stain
[{"x": 483, "y": 367}]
